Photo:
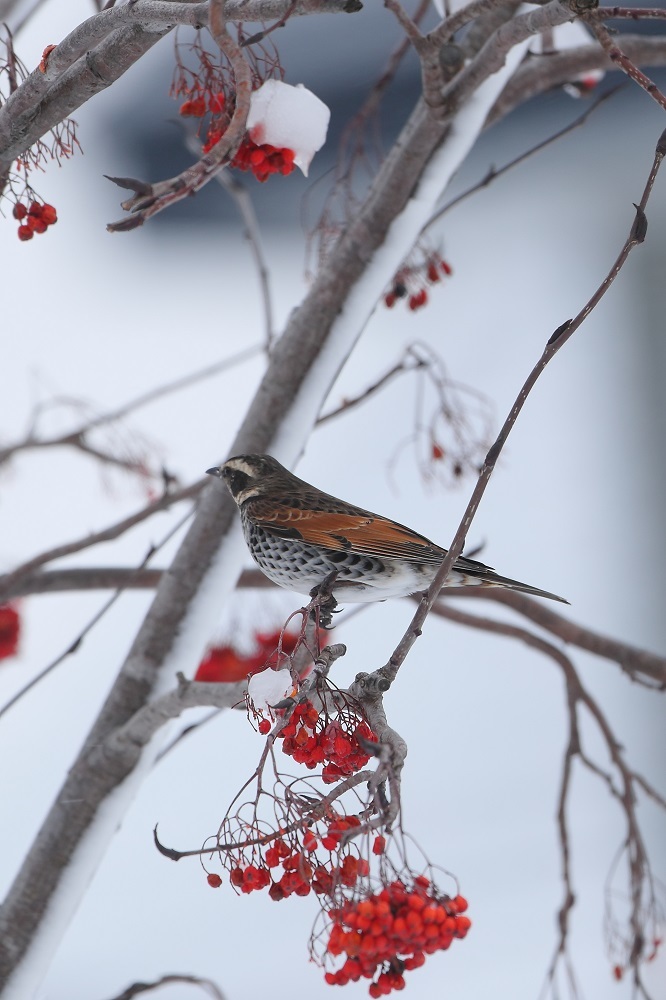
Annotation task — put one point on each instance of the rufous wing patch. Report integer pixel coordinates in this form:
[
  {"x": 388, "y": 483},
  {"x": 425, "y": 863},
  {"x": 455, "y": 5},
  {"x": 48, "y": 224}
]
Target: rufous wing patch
[{"x": 365, "y": 534}]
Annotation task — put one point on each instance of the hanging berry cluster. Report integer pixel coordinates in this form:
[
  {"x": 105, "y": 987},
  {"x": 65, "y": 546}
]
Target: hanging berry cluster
[
  {"x": 33, "y": 218},
  {"x": 411, "y": 281},
  {"x": 224, "y": 663},
  {"x": 296, "y": 837},
  {"x": 308, "y": 859},
  {"x": 388, "y": 933},
  {"x": 58, "y": 143},
  {"x": 208, "y": 92},
  {"x": 313, "y": 739},
  {"x": 261, "y": 160}
]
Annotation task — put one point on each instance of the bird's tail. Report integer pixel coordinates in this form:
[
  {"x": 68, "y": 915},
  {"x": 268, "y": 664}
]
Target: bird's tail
[{"x": 487, "y": 577}]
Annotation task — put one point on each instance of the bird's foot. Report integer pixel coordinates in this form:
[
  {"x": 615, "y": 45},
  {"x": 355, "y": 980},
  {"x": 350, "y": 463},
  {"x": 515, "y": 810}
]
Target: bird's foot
[{"x": 323, "y": 605}]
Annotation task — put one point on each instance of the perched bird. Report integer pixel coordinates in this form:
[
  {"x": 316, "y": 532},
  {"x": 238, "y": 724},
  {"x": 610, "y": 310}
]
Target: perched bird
[{"x": 298, "y": 536}]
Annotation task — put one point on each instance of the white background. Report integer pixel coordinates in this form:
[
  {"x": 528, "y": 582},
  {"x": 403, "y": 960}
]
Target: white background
[{"x": 575, "y": 507}]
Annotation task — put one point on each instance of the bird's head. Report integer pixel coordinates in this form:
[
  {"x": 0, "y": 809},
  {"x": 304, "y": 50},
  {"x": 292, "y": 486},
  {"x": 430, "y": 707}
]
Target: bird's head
[{"x": 246, "y": 476}]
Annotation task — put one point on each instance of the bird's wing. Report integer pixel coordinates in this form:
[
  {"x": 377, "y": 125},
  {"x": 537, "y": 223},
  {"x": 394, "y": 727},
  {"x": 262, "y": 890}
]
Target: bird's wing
[
  {"x": 362, "y": 532},
  {"x": 359, "y": 531}
]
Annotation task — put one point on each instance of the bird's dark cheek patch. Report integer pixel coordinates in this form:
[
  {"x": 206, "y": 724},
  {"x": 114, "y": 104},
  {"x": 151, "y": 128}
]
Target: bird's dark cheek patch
[{"x": 238, "y": 481}]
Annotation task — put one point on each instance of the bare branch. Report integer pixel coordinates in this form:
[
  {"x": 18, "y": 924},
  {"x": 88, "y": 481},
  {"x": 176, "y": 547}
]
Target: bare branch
[
  {"x": 636, "y": 236},
  {"x": 410, "y": 361},
  {"x": 78, "y": 438},
  {"x": 492, "y": 55},
  {"x": 77, "y": 642},
  {"x": 100, "y": 50},
  {"x": 10, "y": 580},
  {"x": 621, "y": 60},
  {"x": 495, "y": 172},
  {"x": 149, "y": 199},
  {"x": 207, "y": 985},
  {"x": 143, "y": 725},
  {"x": 644, "y": 909},
  {"x": 541, "y": 73},
  {"x": 639, "y": 664}
]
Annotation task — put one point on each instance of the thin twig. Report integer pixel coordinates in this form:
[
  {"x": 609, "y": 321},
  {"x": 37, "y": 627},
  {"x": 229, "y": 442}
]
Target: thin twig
[
  {"x": 621, "y": 60},
  {"x": 89, "y": 626},
  {"x": 150, "y": 199},
  {"x": 493, "y": 173},
  {"x": 77, "y": 437},
  {"x": 106, "y": 535},
  {"x": 639, "y": 664},
  {"x": 206, "y": 984},
  {"x": 644, "y": 909},
  {"x": 636, "y": 236}
]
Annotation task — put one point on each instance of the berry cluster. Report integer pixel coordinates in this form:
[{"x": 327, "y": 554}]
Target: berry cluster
[
  {"x": 224, "y": 663},
  {"x": 313, "y": 740},
  {"x": 391, "y": 932},
  {"x": 262, "y": 160},
  {"x": 302, "y": 870},
  {"x": 201, "y": 103},
  {"x": 410, "y": 282},
  {"x": 34, "y": 218}
]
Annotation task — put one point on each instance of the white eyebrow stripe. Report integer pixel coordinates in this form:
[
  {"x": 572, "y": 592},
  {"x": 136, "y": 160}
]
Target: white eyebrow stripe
[{"x": 240, "y": 466}]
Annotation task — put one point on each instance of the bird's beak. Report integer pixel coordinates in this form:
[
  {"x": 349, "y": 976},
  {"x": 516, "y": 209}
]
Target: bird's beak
[{"x": 216, "y": 471}]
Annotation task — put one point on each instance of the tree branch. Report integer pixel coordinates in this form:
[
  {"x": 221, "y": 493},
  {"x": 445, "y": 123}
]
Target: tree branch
[
  {"x": 639, "y": 664},
  {"x": 100, "y": 50},
  {"x": 542, "y": 73},
  {"x": 388, "y": 672}
]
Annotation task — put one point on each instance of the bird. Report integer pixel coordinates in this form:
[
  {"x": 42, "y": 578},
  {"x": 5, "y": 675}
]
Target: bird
[{"x": 302, "y": 538}]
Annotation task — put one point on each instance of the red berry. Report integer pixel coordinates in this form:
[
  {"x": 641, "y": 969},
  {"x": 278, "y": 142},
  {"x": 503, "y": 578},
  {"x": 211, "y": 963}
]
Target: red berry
[
  {"x": 19, "y": 211},
  {"x": 216, "y": 103},
  {"x": 215, "y": 881},
  {"x": 49, "y": 215},
  {"x": 194, "y": 109},
  {"x": 39, "y": 225},
  {"x": 25, "y": 233},
  {"x": 237, "y": 876},
  {"x": 264, "y": 727},
  {"x": 35, "y": 209}
]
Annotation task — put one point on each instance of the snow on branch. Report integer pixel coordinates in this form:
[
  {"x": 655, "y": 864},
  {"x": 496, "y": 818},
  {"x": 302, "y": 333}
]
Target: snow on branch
[{"x": 101, "y": 49}]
